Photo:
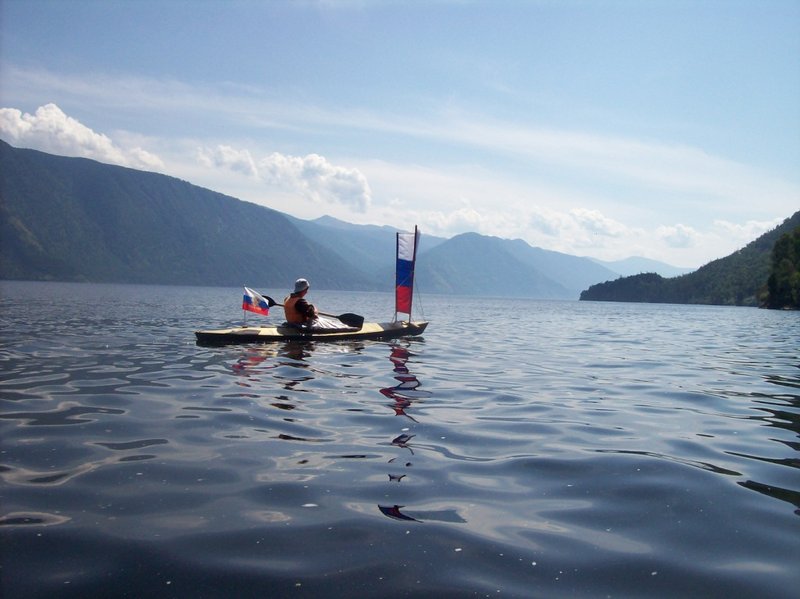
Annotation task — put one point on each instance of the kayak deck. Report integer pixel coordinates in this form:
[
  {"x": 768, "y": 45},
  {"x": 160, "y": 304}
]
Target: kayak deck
[{"x": 369, "y": 330}]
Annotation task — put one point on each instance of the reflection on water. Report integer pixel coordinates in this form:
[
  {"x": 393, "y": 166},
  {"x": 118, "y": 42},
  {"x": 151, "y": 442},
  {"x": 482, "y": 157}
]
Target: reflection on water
[
  {"x": 293, "y": 365},
  {"x": 65, "y": 413},
  {"x": 406, "y": 391},
  {"x": 592, "y": 450},
  {"x": 405, "y": 395}
]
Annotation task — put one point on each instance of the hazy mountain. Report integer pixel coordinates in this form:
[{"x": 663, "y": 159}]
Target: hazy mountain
[
  {"x": 636, "y": 265},
  {"x": 737, "y": 279},
  {"x": 370, "y": 248},
  {"x": 571, "y": 272},
  {"x": 473, "y": 264},
  {"x": 75, "y": 219}
]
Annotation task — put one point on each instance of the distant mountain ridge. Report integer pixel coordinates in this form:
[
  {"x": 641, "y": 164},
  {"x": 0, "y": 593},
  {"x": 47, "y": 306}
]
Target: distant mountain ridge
[
  {"x": 370, "y": 247},
  {"x": 637, "y": 264},
  {"x": 75, "y": 219},
  {"x": 468, "y": 264},
  {"x": 475, "y": 264}
]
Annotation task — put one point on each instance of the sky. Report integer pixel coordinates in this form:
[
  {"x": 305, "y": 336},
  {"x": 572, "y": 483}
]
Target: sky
[{"x": 609, "y": 128}]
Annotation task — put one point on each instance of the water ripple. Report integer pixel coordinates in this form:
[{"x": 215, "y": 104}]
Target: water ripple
[{"x": 589, "y": 450}]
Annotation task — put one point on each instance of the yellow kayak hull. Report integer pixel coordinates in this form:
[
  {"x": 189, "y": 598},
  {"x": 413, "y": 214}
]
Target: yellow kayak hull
[{"x": 369, "y": 330}]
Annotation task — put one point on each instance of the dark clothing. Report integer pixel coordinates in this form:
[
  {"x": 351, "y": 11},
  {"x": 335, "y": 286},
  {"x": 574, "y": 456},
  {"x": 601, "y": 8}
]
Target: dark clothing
[{"x": 298, "y": 310}]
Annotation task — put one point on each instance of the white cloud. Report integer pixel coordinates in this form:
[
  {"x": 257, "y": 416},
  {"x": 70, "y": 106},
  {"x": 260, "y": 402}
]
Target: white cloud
[
  {"x": 659, "y": 165},
  {"x": 222, "y": 156},
  {"x": 748, "y": 231},
  {"x": 678, "y": 236},
  {"x": 573, "y": 229},
  {"x": 50, "y": 130},
  {"x": 457, "y": 221},
  {"x": 315, "y": 178},
  {"x": 548, "y": 224},
  {"x": 567, "y": 190},
  {"x": 594, "y": 222},
  {"x": 679, "y": 176}
]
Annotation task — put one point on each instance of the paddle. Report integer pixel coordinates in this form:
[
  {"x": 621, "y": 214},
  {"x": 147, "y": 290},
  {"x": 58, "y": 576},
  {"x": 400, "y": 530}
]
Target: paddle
[{"x": 348, "y": 318}]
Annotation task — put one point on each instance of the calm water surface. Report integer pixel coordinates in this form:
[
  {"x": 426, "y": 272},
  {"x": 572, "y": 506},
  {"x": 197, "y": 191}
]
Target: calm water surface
[{"x": 576, "y": 450}]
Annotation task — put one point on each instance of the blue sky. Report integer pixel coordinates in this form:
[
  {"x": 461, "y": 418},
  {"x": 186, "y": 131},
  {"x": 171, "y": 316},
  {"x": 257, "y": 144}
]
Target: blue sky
[{"x": 665, "y": 129}]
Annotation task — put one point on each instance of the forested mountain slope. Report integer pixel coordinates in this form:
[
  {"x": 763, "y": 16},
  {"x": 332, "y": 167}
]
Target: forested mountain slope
[
  {"x": 76, "y": 219},
  {"x": 735, "y": 280}
]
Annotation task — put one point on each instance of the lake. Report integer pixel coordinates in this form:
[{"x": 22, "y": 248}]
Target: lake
[{"x": 520, "y": 448}]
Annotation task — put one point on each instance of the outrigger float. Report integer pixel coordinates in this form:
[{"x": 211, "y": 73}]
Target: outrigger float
[{"x": 346, "y": 327}]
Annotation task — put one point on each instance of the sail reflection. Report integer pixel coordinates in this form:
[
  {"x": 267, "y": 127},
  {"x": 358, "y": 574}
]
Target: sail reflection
[
  {"x": 404, "y": 395},
  {"x": 406, "y": 391}
]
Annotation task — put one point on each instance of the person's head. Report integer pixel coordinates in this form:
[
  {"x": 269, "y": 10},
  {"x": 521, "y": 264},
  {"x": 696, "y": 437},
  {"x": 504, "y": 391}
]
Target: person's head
[{"x": 300, "y": 286}]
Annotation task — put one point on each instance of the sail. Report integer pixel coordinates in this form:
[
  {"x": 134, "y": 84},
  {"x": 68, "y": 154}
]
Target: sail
[{"x": 406, "y": 257}]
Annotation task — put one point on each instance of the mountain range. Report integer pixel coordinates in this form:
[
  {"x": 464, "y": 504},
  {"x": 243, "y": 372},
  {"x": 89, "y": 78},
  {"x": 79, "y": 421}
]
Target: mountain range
[
  {"x": 75, "y": 219},
  {"x": 636, "y": 265}
]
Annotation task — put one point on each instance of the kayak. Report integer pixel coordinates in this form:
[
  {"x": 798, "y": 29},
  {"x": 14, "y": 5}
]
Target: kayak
[
  {"x": 369, "y": 330},
  {"x": 344, "y": 327}
]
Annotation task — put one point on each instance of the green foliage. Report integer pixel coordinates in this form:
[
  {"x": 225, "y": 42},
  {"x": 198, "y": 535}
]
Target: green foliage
[
  {"x": 783, "y": 285},
  {"x": 647, "y": 287},
  {"x": 735, "y": 280}
]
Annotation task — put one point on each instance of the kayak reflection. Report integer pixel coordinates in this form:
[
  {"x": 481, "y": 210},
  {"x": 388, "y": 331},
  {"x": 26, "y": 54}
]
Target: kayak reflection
[{"x": 288, "y": 362}]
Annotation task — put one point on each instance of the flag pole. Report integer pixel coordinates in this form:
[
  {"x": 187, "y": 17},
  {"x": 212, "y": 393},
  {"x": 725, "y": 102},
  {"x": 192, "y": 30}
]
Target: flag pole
[{"x": 413, "y": 272}]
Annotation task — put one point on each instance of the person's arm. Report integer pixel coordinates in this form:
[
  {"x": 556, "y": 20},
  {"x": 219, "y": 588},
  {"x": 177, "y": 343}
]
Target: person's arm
[{"x": 306, "y": 309}]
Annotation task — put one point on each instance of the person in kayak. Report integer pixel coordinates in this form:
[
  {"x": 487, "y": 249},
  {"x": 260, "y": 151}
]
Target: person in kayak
[{"x": 297, "y": 309}]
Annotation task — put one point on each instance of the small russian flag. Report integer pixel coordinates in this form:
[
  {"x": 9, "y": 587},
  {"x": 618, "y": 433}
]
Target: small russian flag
[{"x": 253, "y": 301}]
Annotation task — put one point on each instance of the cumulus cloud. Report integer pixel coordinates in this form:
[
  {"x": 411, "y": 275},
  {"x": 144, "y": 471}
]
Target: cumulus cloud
[
  {"x": 239, "y": 161},
  {"x": 550, "y": 223},
  {"x": 594, "y": 222},
  {"x": 50, "y": 130},
  {"x": 746, "y": 231},
  {"x": 310, "y": 177},
  {"x": 678, "y": 236},
  {"x": 450, "y": 223},
  {"x": 579, "y": 224},
  {"x": 315, "y": 178}
]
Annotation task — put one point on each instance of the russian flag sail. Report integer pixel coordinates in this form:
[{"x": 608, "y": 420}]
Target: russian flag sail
[{"x": 406, "y": 257}]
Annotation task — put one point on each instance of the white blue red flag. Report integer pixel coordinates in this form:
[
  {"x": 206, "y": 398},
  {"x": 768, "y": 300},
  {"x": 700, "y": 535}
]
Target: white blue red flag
[
  {"x": 406, "y": 256},
  {"x": 253, "y": 301}
]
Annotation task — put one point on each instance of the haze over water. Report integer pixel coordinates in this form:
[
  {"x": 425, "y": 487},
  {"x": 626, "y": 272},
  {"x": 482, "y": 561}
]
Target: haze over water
[{"x": 520, "y": 448}]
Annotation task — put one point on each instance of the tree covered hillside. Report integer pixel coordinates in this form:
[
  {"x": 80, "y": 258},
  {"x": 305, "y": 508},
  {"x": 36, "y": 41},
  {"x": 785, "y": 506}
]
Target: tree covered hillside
[
  {"x": 736, "y": 280},
  {"x": 783, "y": 285},
  {"x": 74, "y": 219}
]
